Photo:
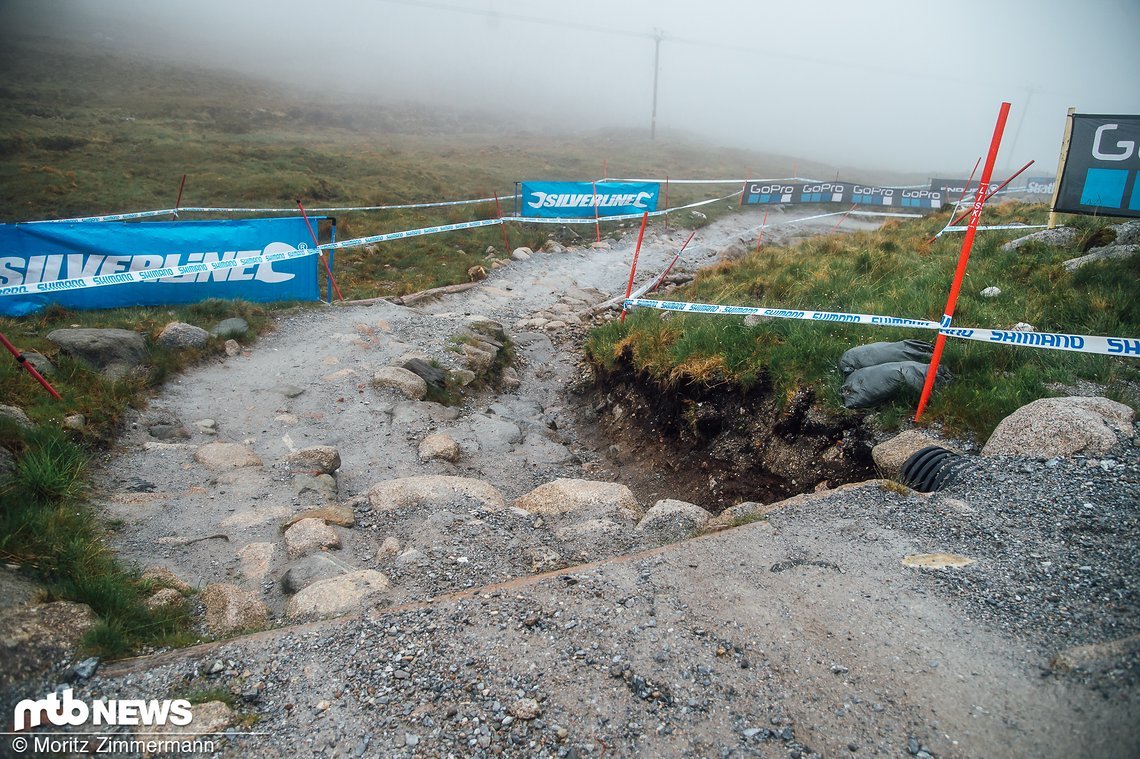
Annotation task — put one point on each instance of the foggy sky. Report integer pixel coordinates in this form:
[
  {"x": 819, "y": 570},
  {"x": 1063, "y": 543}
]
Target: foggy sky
[{"x": 900, "y": 85}]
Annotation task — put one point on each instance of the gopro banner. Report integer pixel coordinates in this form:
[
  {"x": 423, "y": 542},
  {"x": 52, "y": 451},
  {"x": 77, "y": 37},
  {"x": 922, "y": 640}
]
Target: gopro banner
[
  {"x": 153, "y": 263},
  {"x": 579, "y": 200},
  {"x": 761, "y": 192},
  {"x": 1100, "y": 171}
]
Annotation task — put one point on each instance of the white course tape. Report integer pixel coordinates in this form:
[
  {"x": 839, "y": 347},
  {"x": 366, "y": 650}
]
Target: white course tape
[
  {"x": 357, "y": 242},
  {"x": 107, "y": 217},
  {"x": 1000, "y": 226},
  {"x": 781, "y": 313},
  {"x": 293, "y": 209},
  {"x": 1109, "y": 346}
]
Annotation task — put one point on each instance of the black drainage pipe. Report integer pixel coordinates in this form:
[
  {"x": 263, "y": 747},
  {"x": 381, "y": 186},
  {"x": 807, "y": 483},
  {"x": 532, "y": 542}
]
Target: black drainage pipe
[{"x": 931, "y": 469}]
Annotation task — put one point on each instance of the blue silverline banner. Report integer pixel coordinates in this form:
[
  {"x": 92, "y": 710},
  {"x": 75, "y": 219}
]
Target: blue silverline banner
[
  {"x": 767, "y": 192},
  {"x": 1101, "y": 174},
  {"x": 577, "y": 200},
  {"x": 88, "y": 265}
]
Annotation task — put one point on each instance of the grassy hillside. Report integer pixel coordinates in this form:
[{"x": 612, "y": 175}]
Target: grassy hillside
[
  {"x": 897, "y": 272},
  {"x": 84, "y": 132}
]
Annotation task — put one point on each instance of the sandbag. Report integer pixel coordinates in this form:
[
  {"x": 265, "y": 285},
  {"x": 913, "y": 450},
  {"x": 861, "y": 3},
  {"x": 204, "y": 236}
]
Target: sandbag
[
  {"x": 874, "y": 385},
  {"x": 873, "y": 354}
]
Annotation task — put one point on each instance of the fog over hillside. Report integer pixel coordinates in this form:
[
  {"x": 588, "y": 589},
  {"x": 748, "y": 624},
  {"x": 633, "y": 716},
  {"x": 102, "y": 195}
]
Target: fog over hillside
[{"x": 888, "y": 84}]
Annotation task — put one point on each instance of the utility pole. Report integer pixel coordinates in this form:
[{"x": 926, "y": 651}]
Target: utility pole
[{"x": 657, "y": 37}]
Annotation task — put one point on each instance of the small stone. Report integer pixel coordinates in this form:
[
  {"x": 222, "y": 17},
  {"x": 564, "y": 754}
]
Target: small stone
[
  {"x": 525, "y": 708},
  {"x": 439, "y": 446},
  {"x": 74, "y": 422},
  {"x": 411, "y": 741},
  {"x": 991, "y": 292},
  {"x": 390, "y": 548},
  {"x": 86, "y": 668},
  {"x": 233, "y": 348}
]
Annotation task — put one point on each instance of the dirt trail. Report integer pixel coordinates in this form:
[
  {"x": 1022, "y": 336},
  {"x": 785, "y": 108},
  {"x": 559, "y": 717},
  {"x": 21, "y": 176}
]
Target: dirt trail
[
  {"x": 797, "y": 637},
  {"x": 309, "y": 383}
]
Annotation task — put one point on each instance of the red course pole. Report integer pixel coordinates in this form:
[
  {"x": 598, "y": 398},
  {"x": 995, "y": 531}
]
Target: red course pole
[
  {"x": 763, "y": 224},
  {"x": 178, "y": 202},
  {"x": 963, "y": 258},
  {"x": 320, "y": 253},
  {"x": 23, "y": 361},
  {"x": 672, "y": 263},
  {"x": 994, "y": 191},
  {"x": 843, "y": 218},
  {"x": 597, "y": 227},
  {"x": 499, "y": 210},
  {"x": 633, "y": 267}
]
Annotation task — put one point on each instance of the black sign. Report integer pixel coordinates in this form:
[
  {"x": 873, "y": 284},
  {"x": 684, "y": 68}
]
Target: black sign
[
  {"x": 779, "y": 193},
  {"x": 953, "y": 188},
  {"x": 1100, "y": 172}
]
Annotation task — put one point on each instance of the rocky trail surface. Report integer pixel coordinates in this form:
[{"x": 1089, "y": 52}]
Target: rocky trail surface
[{"x": 474, "y": 579}]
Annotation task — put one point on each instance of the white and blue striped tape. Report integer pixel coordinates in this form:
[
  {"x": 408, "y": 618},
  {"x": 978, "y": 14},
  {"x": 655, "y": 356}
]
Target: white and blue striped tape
[{"x": 1109, "y": 346}]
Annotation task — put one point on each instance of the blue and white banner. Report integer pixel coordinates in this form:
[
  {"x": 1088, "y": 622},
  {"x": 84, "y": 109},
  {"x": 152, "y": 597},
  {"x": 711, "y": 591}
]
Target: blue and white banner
[
  {"x": 153, "y": 263},
  {"x": 585, "y": 200}
]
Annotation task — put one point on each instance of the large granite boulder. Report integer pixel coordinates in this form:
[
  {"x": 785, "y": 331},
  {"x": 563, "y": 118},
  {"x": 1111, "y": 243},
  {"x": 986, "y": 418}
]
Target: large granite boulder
[
  {"x": 1052, "y": 427},
  {"x": 114, "y": 352}
]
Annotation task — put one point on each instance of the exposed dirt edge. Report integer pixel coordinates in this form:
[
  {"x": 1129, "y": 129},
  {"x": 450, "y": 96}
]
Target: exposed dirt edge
[{"x": 717, "y": 446}]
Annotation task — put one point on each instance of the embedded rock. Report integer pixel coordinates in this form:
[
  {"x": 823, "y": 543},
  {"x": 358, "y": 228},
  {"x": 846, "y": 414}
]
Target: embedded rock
[
  {"x": 33, "y": 639},
  {"x": 310, "y": 536},
  {"x": 232, "y": 327},
  {"x": 582, "y": 499},
  {"x": 1060, "y": 236},
  {"x": 167, "y": 598},
  {"x": 440, "y": 446},
  {"x": 230, "y": 609},
  {"x": 1051, "y": 427},
  {"x": 1107, "y": 253},
  {"x": 180, "y": 335},
  {"x": 436, "y": 492},
  {"x": 226, "y": 456},
  {"x": 322, "y": 459},
  {"x": 338, "y": 514},
  {"x": 672, "y": 520},
  {"x": 16, "y": 414},
  {"x": 409, "y": 384},
  {"x": 114, "y": 352},
  {"x": 337, "y": 595},
  {"x": 310, "y": 569},
  {"x": 890, "y": 455}
]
